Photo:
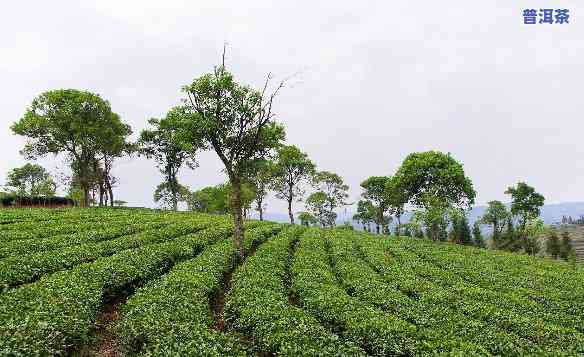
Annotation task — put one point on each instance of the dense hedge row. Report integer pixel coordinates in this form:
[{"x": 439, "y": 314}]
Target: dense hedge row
[
  {"x": 557, "y": 289},
  {"x": 92, "y": 234},
  {"x": 258, "y": 306},
  {"x": 171, "y": 316},
  {"x": 56, "y": 313},
  {"x": 28, "y": 267},
  {"x": 36, "y": 229},
  {"x": 15, "y": 200},
  {"x": 501, "y": 323},
  {"x": 320, "y": 293},
  {"x": 439, "y": 326},
  {"x": 305, "y": 291}
]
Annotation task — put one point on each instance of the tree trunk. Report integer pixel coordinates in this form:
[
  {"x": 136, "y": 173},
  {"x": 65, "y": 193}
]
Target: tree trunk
[
  {"x": 377, "y": 228},
  {"x": 85, "y": 196},
  {"x": 237, "y": 218},
  {"x": 111, "y": 194},
  {"x": 290, "y": 210},
  {"x": 398, "y": 224},
  {"x": 261, "y": 210}
]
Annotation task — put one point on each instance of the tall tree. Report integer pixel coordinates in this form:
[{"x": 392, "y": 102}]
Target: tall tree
[
  {"x": 526, "y": 202},
  {"x": 526, "y": 205},
  {"x": 478, "y": 235},
  {"x": 334, "y": 189},
  {"x": 261, "y": 178},
  {"x": 237, "y": 122},
  {"x": 552, "y": 244},
  {"x": 374, "y": 191},
  {"x": 435, "y": 182},
  {"x": 31, "y": 180},
  {"x": 397, "y": 198},
  {"x": 167, "y": 195},
  {"x": 365, "y": 214},
  {"x": 432, "y": 176},
  {"x": 68, "y": 121},
  {"x": 292, "y": 169},
  {"x": 113, "y": 146},
  {"x": 166, "y": 142},
  {"x": 496, "y": 215},
  {"x": 318, "y": 205}
]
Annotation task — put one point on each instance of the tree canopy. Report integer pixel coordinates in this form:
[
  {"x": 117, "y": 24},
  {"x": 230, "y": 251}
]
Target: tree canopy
[
  {"x": 292, "y": 168},
  {"x": 32, "y": 180},
  {"x": 374, "y": 190},
  {"x": 496, "y": 215},
  {"x": 526, "y": 202},
  {"x": 431, "y": 176},
  {"x": 168, "y": 143},
  {"x": 78, "y": 123},
  {"x": 237, "y": 122}
]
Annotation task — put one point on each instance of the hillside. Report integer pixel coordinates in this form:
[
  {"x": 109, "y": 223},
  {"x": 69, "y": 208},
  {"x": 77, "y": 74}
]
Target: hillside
[{"x": 107, "y": 282}]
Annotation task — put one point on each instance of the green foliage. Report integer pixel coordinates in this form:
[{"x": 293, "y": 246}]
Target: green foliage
[
  {"x": 552, "y": 244},
  {"x": 460, "y": 232},
  {"x": 168, "y": 195},
  {"x": 305, "y": 291},
  {"x": 78, "y": 123},
  {"x": 375, "y": 192},
  {"x": 307, "y": 219},
  {"x": 397, "y": 197},
  {"x": 477, "y": 235},
  {"x": 365, "y": 214},
  {"x": 49, "y": 315},
  {"x": 31, "y": 180},
  {"x": 237, "y": 122},
  {"x": 435, "y": 219},
  {"x": 292, "y": 168},
  {"x": 261, "y": 179},
  {"x": 152, "y": 324},
  {"x": 331, "y": 192},
  {"x": 496, "y": 215},
  {"x": 318, "y": 204},
  {"x": 218, "y": 199},
  {"x": 169, "y": 145},
  {"x": 430, "y": 177},
  {"x": 259, "y": 304},
  {"x": 333, "y": 186},
  {"x": 566, "y": 249},
  {"x": 526, "y": 202}
]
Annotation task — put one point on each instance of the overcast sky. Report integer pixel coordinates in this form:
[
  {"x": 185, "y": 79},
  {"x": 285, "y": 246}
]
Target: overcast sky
[{"x": 375, "y": 81}]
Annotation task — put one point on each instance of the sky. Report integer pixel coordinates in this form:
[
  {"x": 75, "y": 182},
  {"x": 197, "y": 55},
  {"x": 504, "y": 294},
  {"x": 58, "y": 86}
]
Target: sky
[{"x": 368, "y": 82}]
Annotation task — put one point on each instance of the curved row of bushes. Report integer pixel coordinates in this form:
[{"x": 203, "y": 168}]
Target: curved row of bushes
[
  {"x": 172, "y": 315},
  {"x": 51, "y": 316},
  {"x": 502, "y": 323},
  {"x": 93, "y": 234},
  {"x": 320, "y": 293},
  {"x": 258, "y": 306},
  {"x": 440, "y": 327},
  {"x": 28, "y": 267},
  {"x": 43, "y": 227}
]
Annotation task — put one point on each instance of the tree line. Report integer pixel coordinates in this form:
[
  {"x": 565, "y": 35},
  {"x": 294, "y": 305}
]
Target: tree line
[{"x": 237, "y": 122}]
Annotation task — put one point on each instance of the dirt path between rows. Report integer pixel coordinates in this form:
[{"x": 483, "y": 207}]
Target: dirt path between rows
[
  {"x": 218, "y": 301},
  {"x": 106, "y": 344}
]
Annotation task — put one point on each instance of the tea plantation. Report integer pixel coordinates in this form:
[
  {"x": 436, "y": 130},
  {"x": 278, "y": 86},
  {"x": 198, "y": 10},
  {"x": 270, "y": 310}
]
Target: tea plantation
[{"x": 142, "y": 282}]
